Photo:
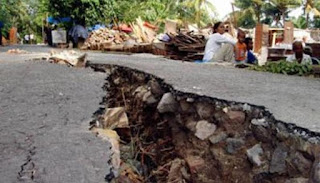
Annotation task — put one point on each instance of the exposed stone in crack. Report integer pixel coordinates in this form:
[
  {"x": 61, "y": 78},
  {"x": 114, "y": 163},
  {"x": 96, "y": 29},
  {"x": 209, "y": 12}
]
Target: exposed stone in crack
[{"x": 183, "y": 137}]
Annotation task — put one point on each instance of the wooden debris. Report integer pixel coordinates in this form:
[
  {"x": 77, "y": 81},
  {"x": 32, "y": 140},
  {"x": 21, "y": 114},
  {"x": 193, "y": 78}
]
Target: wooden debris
[
  {"x": 104, "y": 39},
  {"x": 70, "y": 58},
  {"x": 186, "y": 46},
  {"x": 17, "y": 51}
]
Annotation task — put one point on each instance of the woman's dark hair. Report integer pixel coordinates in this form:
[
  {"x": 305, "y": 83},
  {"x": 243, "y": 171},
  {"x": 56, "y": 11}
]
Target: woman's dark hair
[{"x": 215, "y": 26}]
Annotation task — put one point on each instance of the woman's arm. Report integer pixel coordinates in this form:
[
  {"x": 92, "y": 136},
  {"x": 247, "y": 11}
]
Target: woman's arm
[{"x": 223, "y": 39}]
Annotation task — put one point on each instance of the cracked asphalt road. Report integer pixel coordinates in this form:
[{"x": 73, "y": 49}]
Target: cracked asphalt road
[
  {"x": 45, "y": 111},
  {"x": 45, "y": 108}
]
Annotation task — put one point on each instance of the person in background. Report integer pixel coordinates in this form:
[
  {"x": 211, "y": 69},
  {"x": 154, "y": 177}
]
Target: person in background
[
  {"x": 241, "y": 48},
  {"x": 251, "y": 58},
  {"x": 308, "y": 50},
  {"x": 219, "y": 47},
  {"x": 298, "y": 55},
  {"x": 27, "y": 38}
]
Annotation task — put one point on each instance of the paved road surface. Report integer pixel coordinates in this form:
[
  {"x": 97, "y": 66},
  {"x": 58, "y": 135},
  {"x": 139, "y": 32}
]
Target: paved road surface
[
  {"x": 44, "y": 112},
  {"x": 45, "y": 108}
]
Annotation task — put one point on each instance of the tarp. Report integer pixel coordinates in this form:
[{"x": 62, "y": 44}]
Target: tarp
[
  {"x": 96, "y": 27},
  {"x": 53, "y": 20},
  {"x": 78, "y": 31},
  {"x": 1, "y": 25}
]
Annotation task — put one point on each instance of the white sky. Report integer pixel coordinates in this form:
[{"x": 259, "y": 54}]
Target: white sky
[{"x": 223, "y": 8}]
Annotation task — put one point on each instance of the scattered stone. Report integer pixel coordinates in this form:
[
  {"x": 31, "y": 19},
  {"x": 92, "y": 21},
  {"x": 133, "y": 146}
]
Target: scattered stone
[
  {"x": 214, "y": 139},
  {"x": 283, "y": 135},
  {"x": 236, "y": 116},
  {"x": 205, "y": 110},
  {"x": 302, "y": 164},
  {"x": 256, "y": 113},
  {"x": 191, "y": 125},
  {"x": 191, "y": 100},
  {"x": 155, "y": 88},
  {"x": 315, "y": 173},
  {"x": 254, "y": 154},
  {"x": 226, "y": 109},
  {"x": 262, "y": 134},
  {"x": 246, "y": 107},
  {"x": 314, "y": 140},
  {"x": 278, "y": 161},
  {"x": 281, "y": 127},
  {"x": 149, "y": 98},
  {"x": 167, "y": 104},
  {"x": 186, "y": 107},
  {"x": 117, "y": 81},
  {"x": 233, "y": 144},
  {"x": 297, "y": 180},
  {"x": 204, "y": 129},
  {"x": 178, "y": 172},
  {"x": 195, "y": 163},
  {"x": 139, "y": 77},
  {"x": 259, "y": 122}
]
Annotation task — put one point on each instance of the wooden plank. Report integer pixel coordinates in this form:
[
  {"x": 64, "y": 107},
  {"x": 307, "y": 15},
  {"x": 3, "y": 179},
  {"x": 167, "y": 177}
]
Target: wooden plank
[{"x": 170, "y": 27}]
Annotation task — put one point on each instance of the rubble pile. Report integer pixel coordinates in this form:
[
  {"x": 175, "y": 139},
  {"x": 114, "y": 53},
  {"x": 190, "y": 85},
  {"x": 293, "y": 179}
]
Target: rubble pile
[
  {"x": 186, "y": 46},
  {"x": 139, "y": 40},
  {"x": 104, "y": 38},
  {"x": 170, "y": 136}
]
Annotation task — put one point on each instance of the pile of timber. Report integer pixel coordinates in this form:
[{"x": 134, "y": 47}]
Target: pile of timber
[
  {"x": 185, "y": 46},
  {"x": 104, "y": 39}
]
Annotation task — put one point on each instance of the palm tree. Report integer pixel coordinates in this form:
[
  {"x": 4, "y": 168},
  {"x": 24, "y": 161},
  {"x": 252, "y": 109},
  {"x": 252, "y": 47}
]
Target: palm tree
[
  {"x": 250, "y": 7},
  {"x": 310, "y": 6},
  {"x": 200, "y": 6},
  {"x": 284, "y": 6}
]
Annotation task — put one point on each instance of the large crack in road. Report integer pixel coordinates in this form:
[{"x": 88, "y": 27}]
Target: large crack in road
[{"x": 184, "y": 137}]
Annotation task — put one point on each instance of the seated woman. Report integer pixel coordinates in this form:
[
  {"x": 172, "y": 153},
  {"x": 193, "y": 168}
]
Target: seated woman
[{"x": 219, "y": 47}]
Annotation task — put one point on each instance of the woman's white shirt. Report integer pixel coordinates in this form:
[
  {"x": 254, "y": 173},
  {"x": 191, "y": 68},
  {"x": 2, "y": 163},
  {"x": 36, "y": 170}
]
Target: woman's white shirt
[{"x": 214, "y": 43}]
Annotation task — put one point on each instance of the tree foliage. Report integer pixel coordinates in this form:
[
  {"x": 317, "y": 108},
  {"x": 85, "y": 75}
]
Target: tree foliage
[
  {"x": 270, "y": 11},
  {"x": 26, "y": 15},
  {"x": 90, "y": 12}
]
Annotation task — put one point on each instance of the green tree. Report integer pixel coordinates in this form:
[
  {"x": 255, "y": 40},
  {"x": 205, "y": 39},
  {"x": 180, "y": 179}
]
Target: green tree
[
  {"x": 200, "y": 8},
  {"x": 316, "y": 21},
  {"x": 26, "y": 15},
  {"x": 285, "y": 6},
  {"x": 250, "y": 9},
  {"x": 300, "y": 22}
]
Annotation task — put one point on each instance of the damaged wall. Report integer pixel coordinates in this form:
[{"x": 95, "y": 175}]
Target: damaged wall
[{"x": 170, "y": 136}]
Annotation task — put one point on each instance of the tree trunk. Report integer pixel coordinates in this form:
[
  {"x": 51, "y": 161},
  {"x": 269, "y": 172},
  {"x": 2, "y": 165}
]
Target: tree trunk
[
  {"x": 284, "y": 17},
  {"x": 307, "y": 20}
]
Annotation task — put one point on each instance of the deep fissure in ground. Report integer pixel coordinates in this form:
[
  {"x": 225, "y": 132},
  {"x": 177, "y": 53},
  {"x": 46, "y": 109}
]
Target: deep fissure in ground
[{"x": 183, "y": 137}]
